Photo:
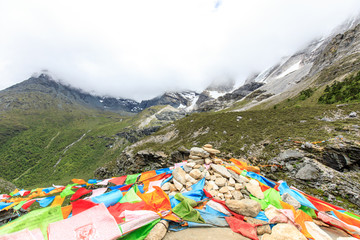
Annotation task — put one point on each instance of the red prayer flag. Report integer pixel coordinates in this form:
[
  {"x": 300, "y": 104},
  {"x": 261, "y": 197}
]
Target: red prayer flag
[
  {"x": 81, "y": 205},
  {"x": 80, "y": 192}
]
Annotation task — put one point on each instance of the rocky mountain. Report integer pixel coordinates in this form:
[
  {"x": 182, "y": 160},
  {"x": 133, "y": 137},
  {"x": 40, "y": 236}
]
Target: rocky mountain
[
  {"x": 42, "y": 92},
  {"x": 321, "y": 62},
  {"x": 182, "y": 100}
]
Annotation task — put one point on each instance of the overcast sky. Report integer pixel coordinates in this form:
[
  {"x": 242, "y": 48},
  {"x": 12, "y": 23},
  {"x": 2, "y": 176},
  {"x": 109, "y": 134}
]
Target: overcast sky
[{"x": 139, "y": 49}]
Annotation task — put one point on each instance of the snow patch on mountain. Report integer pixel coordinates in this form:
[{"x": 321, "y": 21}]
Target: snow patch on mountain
[
  {"x": 216, "y": 94},
  {"x": 291, "y": 69}
]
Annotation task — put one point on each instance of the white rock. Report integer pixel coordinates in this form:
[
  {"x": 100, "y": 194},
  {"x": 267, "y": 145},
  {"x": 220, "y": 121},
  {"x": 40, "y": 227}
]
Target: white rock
[
  {"x": 237, "y": 195},
  {"x": 228, "y": 196},
  {"x": 231, "y": 182},
  {"x": 231, "y": 188},
  {"x": 207, "y": 176},
  {"x": 195, "y": 157},
  {"x": 224, "y": 190},
  {"x": 195, "y": 151},
  {"x": 284, "y": 231},
  {"x": 159, "y": 231},
  {"x": 217, "y": 161},
  {"x": 214, "y": 193},
  {"x": 178, "y": 185},
  {"x": 179, "y": 175},
  {"x": 244, "y": 179},
  {"x": 196, "y": 174},
  {"x": 254, "y": 188},
  {"x": 246, "y": 207},
  {"x": 221, "y": 170},
  {"x": 166, "y": 186},
  {"x": 208, "y": 161},
  {"x": 239, "y": 186},
  {"x": 190, "y": 179},
  {"x": 191, "y": 164},
  {"x": 221, "y": 182},
  {"x": 211, "y": 150},
  {"x": 197, "y": 166},
  {"x": 214, "y": 186}
]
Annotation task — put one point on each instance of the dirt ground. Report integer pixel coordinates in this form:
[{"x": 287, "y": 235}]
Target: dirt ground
[{"x": 204, "y": 234}]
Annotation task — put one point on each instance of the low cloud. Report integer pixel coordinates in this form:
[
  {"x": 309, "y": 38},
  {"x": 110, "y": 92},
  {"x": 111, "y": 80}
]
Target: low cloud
[{"x": 139, "y": 49}]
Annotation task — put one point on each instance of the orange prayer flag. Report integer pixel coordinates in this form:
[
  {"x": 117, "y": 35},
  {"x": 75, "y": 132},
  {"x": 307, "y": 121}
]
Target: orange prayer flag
[
  {"x": 66, "y": 211},
  {"x": 300, "y": 218},
  {"x": 240, "y": 164},
  {"x": 253, "y": 169},
  {"x": 10, "y": 206},
  {"x": 158, "y": 200},
  {"x": 263, "y": 186},
  {"x": 58, "y": 201},
  {"x": 155, "y": 178},
  {"x": 285, "y": 205},
  {"x": 346, "y": 218},
  {"x": 147, "y": 175},
  {"x": 172, "y": 217},
  {"x": 78, "y": 181},
  {"x": 57, "y": 190},
  {"x": 235, "y": 169}
]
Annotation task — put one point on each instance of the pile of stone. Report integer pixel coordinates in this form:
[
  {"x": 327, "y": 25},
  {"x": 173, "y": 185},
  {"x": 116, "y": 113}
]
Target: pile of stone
[{"x": 220, "y": 182}]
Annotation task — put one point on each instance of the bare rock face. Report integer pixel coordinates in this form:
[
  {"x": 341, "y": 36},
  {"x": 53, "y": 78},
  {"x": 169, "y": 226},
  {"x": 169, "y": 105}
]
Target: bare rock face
[
  {"x": 246, "y": 207},
  {"x": 308, "y": 172}
]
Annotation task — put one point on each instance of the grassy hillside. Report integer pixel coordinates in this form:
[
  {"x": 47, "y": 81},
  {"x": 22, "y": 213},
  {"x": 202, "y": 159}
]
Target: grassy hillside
[
  {"x": 36, "y": 147},
  {"x": 239, "y": 137}
]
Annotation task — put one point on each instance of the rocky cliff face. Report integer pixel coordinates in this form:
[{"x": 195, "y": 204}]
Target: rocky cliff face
[
  {"x": 182, "y": 99},
  {"x": 321, "y": 62},
  {"x": 327, "y": 172}
]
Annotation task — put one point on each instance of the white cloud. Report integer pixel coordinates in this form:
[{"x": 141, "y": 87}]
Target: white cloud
[{"x": 140, "y": 48}]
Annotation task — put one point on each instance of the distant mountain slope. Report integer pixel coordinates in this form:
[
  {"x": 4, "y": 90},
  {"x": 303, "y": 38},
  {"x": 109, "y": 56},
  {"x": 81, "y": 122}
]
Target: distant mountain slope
[
  {"x": 43, "y": 92},
  {"x": 183, "y": 100},
  {"x": 322, "y": 62}
]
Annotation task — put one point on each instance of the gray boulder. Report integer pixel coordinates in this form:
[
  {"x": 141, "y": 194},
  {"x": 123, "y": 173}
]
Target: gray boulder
[{"x": 308, "y": 172}]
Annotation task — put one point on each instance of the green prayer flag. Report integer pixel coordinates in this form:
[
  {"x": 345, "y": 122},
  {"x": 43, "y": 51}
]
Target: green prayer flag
[
  {"x": 264, "y": 204},
  {"x": 308, "y": 211},
  {"x": 130, "y": 197},
  {"x": 181, "y": 198},
  {"x": 243, "y": 173},
  {"x": 40, "y": 218},
  {"x": 352, "y": 215},
  {"x": 17, "y": 207},
  {"x": 130, "y": 179},
  {"x": 140, "y": 233},
  {"x": 185, "y": 210},
  {"x": 67, "y": 191},
  {"x": 273, "y": 197}
]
